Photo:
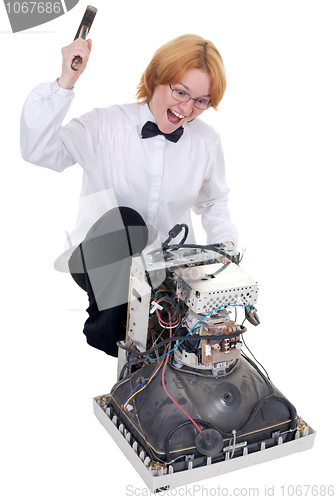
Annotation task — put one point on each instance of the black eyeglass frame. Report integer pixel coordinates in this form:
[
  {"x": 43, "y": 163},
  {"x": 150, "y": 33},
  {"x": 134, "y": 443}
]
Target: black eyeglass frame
[{"x": 188, "y": 98}]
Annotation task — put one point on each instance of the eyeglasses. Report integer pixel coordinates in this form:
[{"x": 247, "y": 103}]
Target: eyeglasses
[{"x": 182, "y": 96}]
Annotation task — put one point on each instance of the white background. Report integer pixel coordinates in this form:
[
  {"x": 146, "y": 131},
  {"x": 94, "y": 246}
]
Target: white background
[{"x": 277, "y": 122}]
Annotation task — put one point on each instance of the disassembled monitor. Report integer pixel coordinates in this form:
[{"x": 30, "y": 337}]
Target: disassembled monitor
[{"x": 189, "y": 404}]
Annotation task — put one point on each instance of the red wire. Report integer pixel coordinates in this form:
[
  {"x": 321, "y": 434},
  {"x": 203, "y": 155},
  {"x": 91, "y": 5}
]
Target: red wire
[
  {"x": 173, "y": 400},
  {"x": 164, "y": 322}
]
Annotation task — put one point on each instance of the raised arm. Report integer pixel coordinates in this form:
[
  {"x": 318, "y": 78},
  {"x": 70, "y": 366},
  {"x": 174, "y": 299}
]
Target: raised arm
[{"x": 44, "y": 141}]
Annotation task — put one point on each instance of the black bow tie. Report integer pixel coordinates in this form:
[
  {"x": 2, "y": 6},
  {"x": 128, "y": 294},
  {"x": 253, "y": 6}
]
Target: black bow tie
[{"x": 150, "y": 129}]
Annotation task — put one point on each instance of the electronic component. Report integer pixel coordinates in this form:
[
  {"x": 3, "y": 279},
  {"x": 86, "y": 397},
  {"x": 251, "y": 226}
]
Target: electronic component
[{"x": 203, "y": 290}]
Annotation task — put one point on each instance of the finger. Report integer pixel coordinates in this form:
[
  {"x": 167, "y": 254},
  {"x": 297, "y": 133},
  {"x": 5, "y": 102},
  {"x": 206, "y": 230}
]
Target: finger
[
  {"x": 89, "y": 42},
  {"x": 79, "y": 47},
  {"x": 76, "y": 51}
]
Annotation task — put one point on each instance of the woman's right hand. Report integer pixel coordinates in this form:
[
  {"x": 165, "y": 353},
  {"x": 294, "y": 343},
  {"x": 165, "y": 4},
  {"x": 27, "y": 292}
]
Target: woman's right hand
[{"x": 78, "y": 47}]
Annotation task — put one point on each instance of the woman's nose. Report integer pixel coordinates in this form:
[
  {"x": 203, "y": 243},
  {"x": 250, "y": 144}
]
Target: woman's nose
[{"x": 187, "y": 107}]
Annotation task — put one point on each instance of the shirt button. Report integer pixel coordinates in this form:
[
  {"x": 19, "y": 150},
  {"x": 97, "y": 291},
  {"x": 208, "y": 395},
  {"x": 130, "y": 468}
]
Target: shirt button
[
  {"x": 153, "y": 205},
  {"x": 157, "y": 179},
  {"x": 159, "y": 152},
  {"x": 54, "y": 87}
]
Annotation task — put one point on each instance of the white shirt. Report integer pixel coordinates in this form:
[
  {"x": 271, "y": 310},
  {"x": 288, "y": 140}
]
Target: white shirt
[{"x": 160, "y": 179}]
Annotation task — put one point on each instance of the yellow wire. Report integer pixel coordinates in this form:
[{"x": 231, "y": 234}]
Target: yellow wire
[{"x": 144, "y": 387}]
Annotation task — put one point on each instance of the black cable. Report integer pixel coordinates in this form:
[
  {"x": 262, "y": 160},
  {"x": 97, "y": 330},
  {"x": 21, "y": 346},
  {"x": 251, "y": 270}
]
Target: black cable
[
  {"x": 222, "y": 268},
  {"x": 176, "y": 246},
  {"x": 180, "y": 337},
  {"x": 253, "y": 355},
  {"x": 261, "y": 403},
  {"x": 186, "y": 232},
  {"x": 266, "y": 378},
  {"x": 174, "y": 232},
  {"x": 130, "y": 364},
  {"x": 197, "y": 420}
]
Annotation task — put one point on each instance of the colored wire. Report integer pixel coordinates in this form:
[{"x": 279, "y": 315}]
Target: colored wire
[
  {"x": 142, "y": 387},
  {"x": 164, "y": 324},
  {"x": 202, "y": 319},
  {"x": 171, "y": 397},
  {"x": 133, "y": 393},
  {"x": 129, "y": 397},
  {"x": 241, "y": 258},
  {"x": 163, "y": 290},
  {"x": 177, "y": 310}
]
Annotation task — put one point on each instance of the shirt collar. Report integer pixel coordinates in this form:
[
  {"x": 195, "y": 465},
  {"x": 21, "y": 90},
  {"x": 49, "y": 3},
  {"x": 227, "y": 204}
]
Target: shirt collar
[{"x": 146, "y": 114}]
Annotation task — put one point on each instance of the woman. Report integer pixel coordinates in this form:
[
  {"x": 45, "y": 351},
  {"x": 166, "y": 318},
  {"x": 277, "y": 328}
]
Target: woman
[{"x": 153, "y": 159}]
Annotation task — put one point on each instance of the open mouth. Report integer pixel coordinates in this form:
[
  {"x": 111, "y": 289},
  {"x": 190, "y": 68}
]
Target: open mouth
[{"x": 174, "y": 117}]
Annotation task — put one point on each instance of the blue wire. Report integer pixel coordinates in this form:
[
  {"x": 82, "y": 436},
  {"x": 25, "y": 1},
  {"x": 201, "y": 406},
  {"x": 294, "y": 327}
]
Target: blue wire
[
  {"x": 216, "y": 309},
  {"x": 139, "y": 385},
  {"x": 166, "y": 354}
]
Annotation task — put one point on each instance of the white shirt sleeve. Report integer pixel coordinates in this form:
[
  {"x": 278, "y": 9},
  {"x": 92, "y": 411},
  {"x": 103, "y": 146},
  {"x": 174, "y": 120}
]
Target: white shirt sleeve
[
  {"x": 212, "y": 202},
  {"x": 45, "y": 142}
]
